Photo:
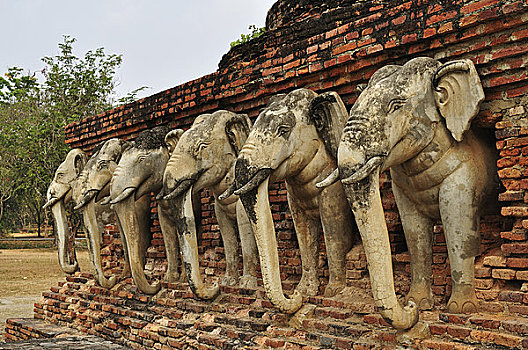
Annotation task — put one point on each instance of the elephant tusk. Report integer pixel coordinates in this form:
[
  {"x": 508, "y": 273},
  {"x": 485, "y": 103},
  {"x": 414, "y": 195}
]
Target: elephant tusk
[
  {"x": 88, "y": 196},
  {"x": 105, "y": 200},
  {"x": 180, "y": 189},
  {"x": 51, "y": 202},
  {"x": 364, "y": 171},
  {"x": 227, "y": 193},
  {"x": 160, "y": 195},
  {"x": 255, "y": 181},
  {"x": 126, "y": 192},
  {"x": 330, "y": 180}
]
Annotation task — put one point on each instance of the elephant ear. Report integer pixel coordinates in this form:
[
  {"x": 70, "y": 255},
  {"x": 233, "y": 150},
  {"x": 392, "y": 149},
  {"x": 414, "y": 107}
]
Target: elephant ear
[
  {"x": 172, "y": 138},
  {"x": 237, "y": 130},
  {"x": 275, "y": 98},
  {"x": 458, "y": 93},
  {"x": 79, "y": 162},
  {"x": 125, "y": 145},
  {"x": 329, "y": 115}
]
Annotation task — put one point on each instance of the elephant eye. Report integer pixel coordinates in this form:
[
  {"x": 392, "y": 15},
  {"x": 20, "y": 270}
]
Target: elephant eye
[
  {"x": 60, "y": 176},
  {"x": 142, "y": 157},
  {"x": 283, "y": 130},
  {"x": 201, "y": 146},
  {"x": 396, "y": 104},
  {"x": 102, "y": 164}
]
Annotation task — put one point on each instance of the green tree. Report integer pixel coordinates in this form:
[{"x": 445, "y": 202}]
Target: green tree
[
  {"x": 33, "y": 116},
  {"x": 75, "y": 88}
]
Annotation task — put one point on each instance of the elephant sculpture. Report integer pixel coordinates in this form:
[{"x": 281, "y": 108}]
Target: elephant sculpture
[
  {"x": 90, "y": 194},
  {"x": 59, "y": 194},
  {"x": 138, "y": 174},
  {"x": 204, "y": 158},
  {"x": 414, "y": 120},
  {"x": 293, "y": 140}
]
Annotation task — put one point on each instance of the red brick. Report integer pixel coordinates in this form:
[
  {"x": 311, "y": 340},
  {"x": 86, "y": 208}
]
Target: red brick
[
  {"x": 514, "y": 211},
  {"x": 515, "y": 248},
  {"x": 409, "y": 38},
  {"x": 440, "y": 17},
  {"x": 503, "y": 274},
  {"x": 495, "y": 261},
  {"x": 458, "y": 332},
  {"x": 399, "y": 20},
  {"x": 477, "y": 5},
  {"x": 522, "y": 275},
  {"x": 437, "y": 329}
]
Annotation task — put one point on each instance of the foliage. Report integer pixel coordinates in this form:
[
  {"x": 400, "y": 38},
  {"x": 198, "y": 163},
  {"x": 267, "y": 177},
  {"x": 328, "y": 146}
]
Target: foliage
[
  {"x": 16, "y": 87},
  {"x": 76, "y": 88},
  {"x": 32, "y": 120},
  {"x": 244, "y": 38},
  {"x": 131, "y": 96}
]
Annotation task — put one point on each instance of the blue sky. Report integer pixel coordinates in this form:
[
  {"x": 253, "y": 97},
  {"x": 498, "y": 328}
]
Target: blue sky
[{"x": 164, "y": 43}]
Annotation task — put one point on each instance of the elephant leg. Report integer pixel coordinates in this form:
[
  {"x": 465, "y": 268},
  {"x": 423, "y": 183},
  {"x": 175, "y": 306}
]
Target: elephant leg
[
  {"x": 228, "y": 233},
  {"x": 338, "y": 225},
  {"x": 249, "y": 249},
  {"x": 419, "y": 236},
  {"x": 172, "y": 249},
  {"x": 126, "y": 272},
  {"x": 308, "y": 231},
  {"x": 461, "y": 223}
]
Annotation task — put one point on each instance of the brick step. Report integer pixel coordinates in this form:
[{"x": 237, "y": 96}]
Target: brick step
[
  {"x": 436, "y": 343},
  {"x": 359, "y": 307},
  {"x": 469, "y": 335},
  {"x": 340, "y": 329},
  {"x": 505, "y": 324},
  {"x": 328, "y": 341}
]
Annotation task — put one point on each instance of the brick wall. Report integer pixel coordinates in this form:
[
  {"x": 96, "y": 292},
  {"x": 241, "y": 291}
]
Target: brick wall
[{"x": 337, "y": 46}]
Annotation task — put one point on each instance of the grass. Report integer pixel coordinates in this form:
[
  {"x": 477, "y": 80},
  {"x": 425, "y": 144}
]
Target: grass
[{"x": 24, "y": 275}]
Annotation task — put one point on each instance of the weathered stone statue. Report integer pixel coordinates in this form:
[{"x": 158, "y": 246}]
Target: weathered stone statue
[
  {"x": 293, "y": 140},
  {"x": 59, "y": 195},
  {"x": 138, "y": 174},
  {"x": 204, "y": 158},
  {"x": 93, "y": 187},
  {"x": 415, "y": 119}
]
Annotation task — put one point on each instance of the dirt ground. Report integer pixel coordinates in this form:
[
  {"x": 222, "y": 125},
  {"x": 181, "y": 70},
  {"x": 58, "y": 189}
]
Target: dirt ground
[{"x": 24, "y": 275}]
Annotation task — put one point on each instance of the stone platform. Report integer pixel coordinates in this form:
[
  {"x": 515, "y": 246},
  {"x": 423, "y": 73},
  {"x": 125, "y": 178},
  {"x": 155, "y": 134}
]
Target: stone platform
[
  {"x": 244, "y": 319},
  {"x": 34, "y": 334}
]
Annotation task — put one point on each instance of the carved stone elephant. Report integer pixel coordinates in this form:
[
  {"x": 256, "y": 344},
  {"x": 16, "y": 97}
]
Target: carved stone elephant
[
  {"x": 204, "y": 158},
  {"x": 293, "y": 140},
  {"x": 138, "y": 174},
  {"x": 415, "y": 120},
  {"x": 59, "y": 195},
  {"x": 93, "y": 186}
]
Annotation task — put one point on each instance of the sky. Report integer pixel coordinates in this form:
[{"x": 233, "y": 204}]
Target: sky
[{"x": 163, "y": 42}]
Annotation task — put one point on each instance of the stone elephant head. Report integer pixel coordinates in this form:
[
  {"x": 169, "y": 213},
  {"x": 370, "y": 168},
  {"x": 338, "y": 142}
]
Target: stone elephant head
[
  {"x": 59, "y": 195},
  {"x": 138, "y": 174},
  {"x": 204, "y": 158},
  {"x": 293, "y": 140},
  {"x": 415, "y": 120},
  {"x": 92, "y": 187}
]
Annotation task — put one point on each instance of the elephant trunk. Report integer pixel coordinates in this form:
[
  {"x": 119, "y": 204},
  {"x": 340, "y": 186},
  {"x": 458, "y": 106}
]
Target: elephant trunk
[
  {"x": 67, "y": 259},
  {"x": 136, "y": 243},
  {"x": 257, "y": 207},
  {"x": 365, "y": 200},
  {"x": 94, "y": 238},
  {"x": 186, "y": 226}
]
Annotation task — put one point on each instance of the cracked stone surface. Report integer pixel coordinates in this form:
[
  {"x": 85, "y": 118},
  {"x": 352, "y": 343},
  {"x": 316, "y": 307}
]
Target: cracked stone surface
[{"x": 70, "y": 343}]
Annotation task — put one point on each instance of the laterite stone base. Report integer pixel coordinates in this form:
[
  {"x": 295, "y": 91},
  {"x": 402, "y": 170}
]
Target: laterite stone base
[
  {"x": 244, "y": 319},
  {"x": 34, "y": 334}
]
